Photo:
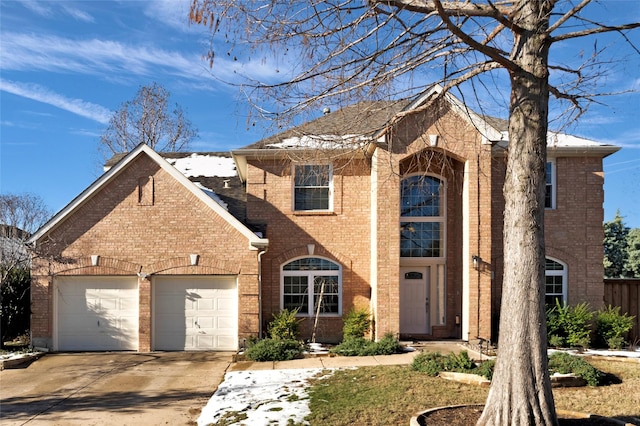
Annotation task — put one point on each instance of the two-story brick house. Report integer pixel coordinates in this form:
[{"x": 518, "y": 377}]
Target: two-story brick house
[{"x": 395, "y": 207}]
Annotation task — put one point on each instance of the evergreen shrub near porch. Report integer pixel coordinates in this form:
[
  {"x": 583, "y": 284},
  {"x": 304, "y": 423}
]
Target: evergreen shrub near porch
[
  {"x": 578, "y": 326},
  {"x": 357, "y": 323},
  {"x": 282, "y": 344}
]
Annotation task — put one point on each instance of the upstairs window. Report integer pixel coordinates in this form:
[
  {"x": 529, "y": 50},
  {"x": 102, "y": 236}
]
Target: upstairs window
[
  {"x": 312, "y": 284},
  {"x": 422, "y": 218},
  {"x": 312, "y": 187},
  {"x": 550, "y": 193}
]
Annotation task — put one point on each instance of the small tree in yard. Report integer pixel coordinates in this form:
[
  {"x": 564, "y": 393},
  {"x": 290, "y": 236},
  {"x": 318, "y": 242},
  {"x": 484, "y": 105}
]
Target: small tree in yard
[
  {"x": 632, "y": 266},
  {"x": 349, "y": 50},
  {"x": 615, "y": 247},
  {"x": 20, "y": 215}
]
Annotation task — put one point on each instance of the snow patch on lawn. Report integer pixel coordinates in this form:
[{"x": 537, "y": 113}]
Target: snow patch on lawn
[{"x": 262, "y": 397}]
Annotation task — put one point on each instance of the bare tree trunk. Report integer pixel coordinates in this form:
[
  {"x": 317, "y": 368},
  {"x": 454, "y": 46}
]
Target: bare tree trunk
[{"x": 521, "y": 390}]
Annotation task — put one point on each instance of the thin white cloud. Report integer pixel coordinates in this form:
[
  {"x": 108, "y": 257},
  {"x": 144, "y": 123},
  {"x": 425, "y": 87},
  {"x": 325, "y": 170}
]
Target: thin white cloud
[
  {"x": 29, "y": 52},
  {"x": 174, "y": 13},
  {"x": 39, "y": 8},
  {"x": 77, "y": 14},
  {"x": 42, "y": 94}
]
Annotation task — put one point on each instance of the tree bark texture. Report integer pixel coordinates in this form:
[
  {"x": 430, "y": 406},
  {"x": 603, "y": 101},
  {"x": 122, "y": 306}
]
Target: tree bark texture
[{"x": 521, "y": 390}]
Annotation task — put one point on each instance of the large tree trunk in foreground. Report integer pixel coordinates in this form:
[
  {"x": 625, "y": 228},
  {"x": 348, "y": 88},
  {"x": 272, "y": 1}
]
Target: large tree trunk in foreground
[{"x": 521, "y": 390}]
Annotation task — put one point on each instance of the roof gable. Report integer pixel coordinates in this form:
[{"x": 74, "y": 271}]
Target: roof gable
[{"x": 124, "y": 163}]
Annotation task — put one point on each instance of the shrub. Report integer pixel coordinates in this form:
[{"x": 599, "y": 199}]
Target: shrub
[
  {"x": 284, "y": 325},
  {"x": 611, "y": 327},
  {"x": 564, "y": 363},
  {"x": 359, "y": 346},
  {"x": 459, "y": 362},
  {"x": 433, "y": 363},
  {"x": 486, "y": 368},
  {"x": 356, "y": 324},
  {"x": 274, "y": 350},
  {"x": 388, "y": 345},
  {"x": 569, "y": 326}
]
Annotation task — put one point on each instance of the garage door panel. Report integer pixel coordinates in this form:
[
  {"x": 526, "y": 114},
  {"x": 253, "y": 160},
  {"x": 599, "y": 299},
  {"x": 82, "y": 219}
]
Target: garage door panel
[
  {"x": 97, "y": 313},
  {"x": 195, "y": 313}
]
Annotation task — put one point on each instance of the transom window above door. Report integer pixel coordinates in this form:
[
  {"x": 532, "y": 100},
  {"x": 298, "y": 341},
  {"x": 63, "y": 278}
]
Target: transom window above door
[
  {"x": 422, "y": 218},
  {"x": 312, "y": 187}
]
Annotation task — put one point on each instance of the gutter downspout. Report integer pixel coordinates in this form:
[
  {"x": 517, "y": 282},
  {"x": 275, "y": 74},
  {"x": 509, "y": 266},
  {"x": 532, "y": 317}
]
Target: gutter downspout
[{"x": 260, "y": 291}]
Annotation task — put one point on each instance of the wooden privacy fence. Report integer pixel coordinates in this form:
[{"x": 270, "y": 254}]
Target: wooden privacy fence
[{"x": 625, "y": 292}]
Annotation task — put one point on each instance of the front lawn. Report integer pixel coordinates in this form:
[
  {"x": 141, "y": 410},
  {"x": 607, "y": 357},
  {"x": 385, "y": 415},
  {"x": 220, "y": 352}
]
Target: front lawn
[{"x": 390, "y": 395}]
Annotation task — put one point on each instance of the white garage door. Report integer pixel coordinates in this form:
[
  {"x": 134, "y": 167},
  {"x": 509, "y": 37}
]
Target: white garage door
[
  {"x": 195, "y": 313},
  {"x": 97, "y": 313}
]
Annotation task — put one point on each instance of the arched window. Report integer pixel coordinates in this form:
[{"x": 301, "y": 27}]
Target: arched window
[
  {"x": 310, "y": 284},
  {"x": 555, "y": 274},
  {"x": 422, "y": 217}
]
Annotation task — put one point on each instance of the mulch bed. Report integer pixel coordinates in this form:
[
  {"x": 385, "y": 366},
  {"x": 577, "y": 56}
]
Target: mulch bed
[{"x": 469, "y": 415}]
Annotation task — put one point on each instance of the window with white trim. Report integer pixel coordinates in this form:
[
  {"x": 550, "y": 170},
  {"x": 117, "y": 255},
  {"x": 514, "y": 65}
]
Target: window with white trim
[
  {"x": 550, "y": 189},
  {"x": 555, "y": 276},
  {"x": 312, "y": 284},
  {"x": 312, "y": 187},
  {"x": 422, "y": 217}
]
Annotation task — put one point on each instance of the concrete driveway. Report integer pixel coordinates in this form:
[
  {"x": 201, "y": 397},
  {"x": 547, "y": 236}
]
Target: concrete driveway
[{"x": 164, "y": 388}]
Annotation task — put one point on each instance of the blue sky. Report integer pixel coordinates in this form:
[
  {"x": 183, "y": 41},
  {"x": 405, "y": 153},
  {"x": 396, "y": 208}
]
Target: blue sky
[{"x": 67, "y": 65}]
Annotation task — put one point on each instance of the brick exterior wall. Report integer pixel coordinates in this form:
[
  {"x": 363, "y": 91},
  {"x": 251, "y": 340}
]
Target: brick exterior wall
[
  {"x": 143, "y": 238},
  {"x": 573, "y": 230},
  {"x": 370, "y": 252},
  {"x": 154, "y": 233}
]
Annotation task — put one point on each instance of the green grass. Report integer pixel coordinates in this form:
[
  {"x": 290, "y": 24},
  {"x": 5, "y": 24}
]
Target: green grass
[{"x": 391, "y": 395}]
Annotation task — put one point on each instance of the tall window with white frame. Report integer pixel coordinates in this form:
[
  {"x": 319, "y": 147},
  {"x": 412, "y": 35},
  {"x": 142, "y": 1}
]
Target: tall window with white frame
[
  {"x": 422, "y": 217},
  {"x": 555, "y": 282},
  {"x": 550, "y": 193},
  {"x": 422, "y": 240},
  {"x": 311, "y": 285},
  {"x": 312, "y": 187}
]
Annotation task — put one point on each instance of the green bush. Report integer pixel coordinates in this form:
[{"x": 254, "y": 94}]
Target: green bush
[
  {"x": 274, "y": 350},
  {"x": 486, "y": 368},
  {"x": 459, "y": 362},
  {"x": 356, "y": 324},
  {"x": 16, "y": 304},
  {"x": 433, "y": 363},
  {"x": 611, "y": 327},
  {"x": 564, "y": 363},
  {"x": 388, "y": 345},
  {"x": 359, "y": 346},
  {"x": 284, "y": 325},
  {"x": 569, "y": 326}
]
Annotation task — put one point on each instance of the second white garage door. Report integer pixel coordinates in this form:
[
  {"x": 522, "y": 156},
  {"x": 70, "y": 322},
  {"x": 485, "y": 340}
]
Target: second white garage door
[{"x": 195, "y": 313}]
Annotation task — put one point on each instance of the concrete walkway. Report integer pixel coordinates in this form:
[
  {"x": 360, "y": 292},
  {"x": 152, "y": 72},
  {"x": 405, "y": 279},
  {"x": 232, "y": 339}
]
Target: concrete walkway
[{"x": 326, "y": 361}]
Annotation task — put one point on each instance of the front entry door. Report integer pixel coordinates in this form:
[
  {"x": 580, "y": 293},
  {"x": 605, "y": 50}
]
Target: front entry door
[{"x": 414, "y": 300}]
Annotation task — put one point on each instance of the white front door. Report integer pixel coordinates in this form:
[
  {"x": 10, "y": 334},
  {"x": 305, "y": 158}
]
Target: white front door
[{"x": 414, "y": 300}]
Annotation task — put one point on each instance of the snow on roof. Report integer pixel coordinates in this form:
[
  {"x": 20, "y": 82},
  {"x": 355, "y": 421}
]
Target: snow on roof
[
  {"x": 208, "y": 165},
  {"x": 213, "y": 195},
  {"x": 319, "y": 141},
  {"x": 563, "y": 140}
]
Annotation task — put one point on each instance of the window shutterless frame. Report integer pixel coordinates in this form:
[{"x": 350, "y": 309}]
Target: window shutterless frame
[
  {"x": 312, "y": 187},
  {"x": 304, "y": 280}
]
